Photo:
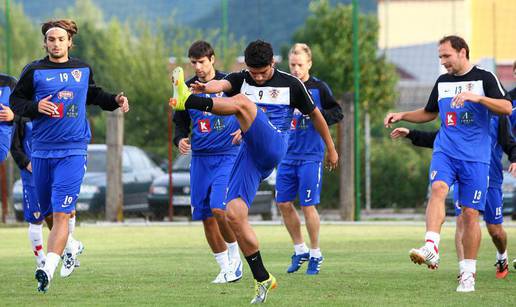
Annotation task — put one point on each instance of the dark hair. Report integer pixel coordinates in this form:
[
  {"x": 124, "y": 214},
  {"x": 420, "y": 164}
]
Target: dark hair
[
  {"x": 200, "y": 49},
  {"x": 258, "y": 54},
  {"x": 457, "y": 43},
  {"x": 66, "y": 24}
]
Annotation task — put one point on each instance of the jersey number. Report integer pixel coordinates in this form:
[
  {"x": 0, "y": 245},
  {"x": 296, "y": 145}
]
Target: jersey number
[{"x": 63, "y": 77}]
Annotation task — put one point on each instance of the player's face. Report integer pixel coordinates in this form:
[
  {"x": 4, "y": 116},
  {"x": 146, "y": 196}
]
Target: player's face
[
  {"x": 57, "y": 43},
  {"x": 300, "y": 66},
  {"x": 262, "y": 74},
  {"x": 451, "y": 59},
  {"x": 203, "y": 66}
]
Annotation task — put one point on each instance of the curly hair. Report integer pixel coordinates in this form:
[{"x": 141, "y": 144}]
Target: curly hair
[{"x": 66, "y": 24}]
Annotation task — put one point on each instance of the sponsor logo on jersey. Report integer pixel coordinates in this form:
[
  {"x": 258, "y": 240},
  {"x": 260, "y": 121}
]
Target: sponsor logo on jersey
[
  {"x": 204, "y": 125},
  {"x": 65, "y": 95},
  {"x": 451, "y": 119},
  {"x": 293, "y": 124},
  {"x": 58, "y": 113},
  {"x": 466, "y": 118},
  {"x": 218, "y": 124},
  {"x": 76, "y": 74},
  {"x": 303, "y": 123},
  {"x": 72, "y": 111},
  {"x": 274, "y": 93}
]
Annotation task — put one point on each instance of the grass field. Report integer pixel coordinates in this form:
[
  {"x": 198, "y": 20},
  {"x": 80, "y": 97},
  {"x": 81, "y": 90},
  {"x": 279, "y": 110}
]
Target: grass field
[{"x": 172, "y": 266}]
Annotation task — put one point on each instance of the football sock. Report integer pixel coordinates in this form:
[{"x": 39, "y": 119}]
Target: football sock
[
  {"x": 233, "y": 250},
  {"x": 470, "y": 266},
  {"x": 501, "y": 256},
  {"x": 300, "y": 248},
  {"x": 256, "y": 265},
  {"x": 223, "y": 260},
  {"x": 199, "y": 103},
  {"x": 36, "y": 241},
  {"x": 315, "y": 253},
  {"x": 51, "y": 263},
  {"x": 432, "y": 240}
]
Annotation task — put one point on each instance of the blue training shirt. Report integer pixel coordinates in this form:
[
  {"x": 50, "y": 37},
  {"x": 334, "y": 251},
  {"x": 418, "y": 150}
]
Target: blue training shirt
[
  {"x": 464, "y": 132},
  {"x": 211, "y": 133},
  {"x": 7, "y": 84},
  {"x": 71, "y": 85}
]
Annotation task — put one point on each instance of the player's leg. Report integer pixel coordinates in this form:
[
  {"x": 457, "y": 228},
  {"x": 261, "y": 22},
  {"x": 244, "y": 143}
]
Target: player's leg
[
  {"x": 442, "y": 174},
  {"x": 473, "y": 182},
  {"x": 218, "y": 247},
  {"x": 34, "y": 216},
  {"x": 459, "y": 228},
  {"x": 494, "y": 221},
  {"x": 72, "y": 249}
]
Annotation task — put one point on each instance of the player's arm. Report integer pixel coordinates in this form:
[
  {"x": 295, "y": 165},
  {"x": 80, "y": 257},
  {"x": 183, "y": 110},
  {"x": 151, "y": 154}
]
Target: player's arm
[
  {"x": 17, "y": 151},
  {"x": 21, "y": 97},
  {"x": 416, "y": 116},
  {"x": 331, "y": 109},
  {"x": 182, "y": 122},
  {"x": 106, "y": 101},
  {"x": 505, "y": 138},
  {"x": 211, "y": 87},
  {"x": 418, "y": 138}
]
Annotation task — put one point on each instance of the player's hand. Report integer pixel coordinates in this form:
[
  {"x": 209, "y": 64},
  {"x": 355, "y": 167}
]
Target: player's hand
[
  {"x": 458, "y": 101},
  {"x": 184, "y": 146},
  {"x": 392, "y": 118},
  {"x": 237, "y": 137},
  {"x": 400, "y": 132},
  {"x": 47, "y": 107},
  {"x": 512, "y": 169},
  {"x": 332, "y": 159},
  {"x": 197, "y": 87},
  {"x": 6, "y": 114},
  {"x": 29, "y": 167},
  {"x": 123, "y": 102}
]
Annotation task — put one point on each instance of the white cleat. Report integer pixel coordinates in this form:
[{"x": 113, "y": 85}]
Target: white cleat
[
  {"x": 466, "y": 282},
  {"x": 236, "y": 272},
  {"x": 221, "y": 278},
  {"x": 70, "y": 261},
  {"x": 425, "y": 255},
  {"x": 43, "y": 278}
]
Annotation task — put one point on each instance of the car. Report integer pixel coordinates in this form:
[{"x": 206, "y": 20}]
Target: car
[
  {"x": 508, "y": 190},
  {"x": 158, "y": 197},
  {"x": 138, "y": 172}
]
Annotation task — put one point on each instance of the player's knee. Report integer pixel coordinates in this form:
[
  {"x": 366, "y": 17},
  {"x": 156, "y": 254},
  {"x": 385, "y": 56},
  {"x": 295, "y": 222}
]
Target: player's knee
[
  {"x": 219, "y": 214},
  {"x": 439, "y": 189},
  {"x": 470, "y": 215},
  {"x": 243, "y": 103},
  {"x": 495, "y": 231},
  {"x": 286, "y": 208}
]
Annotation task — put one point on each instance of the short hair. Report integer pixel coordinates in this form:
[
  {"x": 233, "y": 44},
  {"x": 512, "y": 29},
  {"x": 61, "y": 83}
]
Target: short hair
[
  {"x": 456, "y": 42},
  {"x": 66, "y": 24},
  {"x": 200, "y": 49},
  {"x": 258, "y": 54},
  {"x": 300, "y": 48}
]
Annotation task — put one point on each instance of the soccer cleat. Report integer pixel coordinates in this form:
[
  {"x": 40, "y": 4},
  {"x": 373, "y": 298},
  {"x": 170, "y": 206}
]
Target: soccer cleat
[
  {"x": 297, "y": 261},
  {"x": 425, "y": 255},
  {"x": 314, "y": 265},
  {"x": 261, "y": 289},
  {"x": 221, "y": 278},
  {"x": 502, "y": 268},
  {"x": 40, "y": 264},
  {"x": 70, "y": 261},
  {"x": 43, "y": 279},
  {"x": 466, "y": 282},
  {"x": 181, "y": 92},
  {"x": 236, "y": 272}
]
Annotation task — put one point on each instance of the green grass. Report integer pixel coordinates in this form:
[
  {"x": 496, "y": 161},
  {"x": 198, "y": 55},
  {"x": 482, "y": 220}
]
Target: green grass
[{"x": 172, "y": 266}]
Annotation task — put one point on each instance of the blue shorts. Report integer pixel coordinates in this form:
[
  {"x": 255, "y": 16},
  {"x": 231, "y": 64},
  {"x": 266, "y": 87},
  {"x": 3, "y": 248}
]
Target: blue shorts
[
  {"x": 209, "y": 176},
  {"x": 262, "y": 149},
  {"x": 58, "y": 182},
  {"x": 31, "y": 209},
  {"x": 303, "y": 178},
  {"x": 494, "y": 206},
  {"x": 471, "y": 178}
]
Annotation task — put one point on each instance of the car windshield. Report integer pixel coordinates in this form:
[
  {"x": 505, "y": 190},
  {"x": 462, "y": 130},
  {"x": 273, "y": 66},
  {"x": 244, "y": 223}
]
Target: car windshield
[
  {"x": 182, "y": 163},
  {"x": 96, "y": 161}
]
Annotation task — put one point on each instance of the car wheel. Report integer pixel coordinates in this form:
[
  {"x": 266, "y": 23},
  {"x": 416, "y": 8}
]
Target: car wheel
[
  {"x": 19, "y": 216},
  {"x": 266, "y": 216}
]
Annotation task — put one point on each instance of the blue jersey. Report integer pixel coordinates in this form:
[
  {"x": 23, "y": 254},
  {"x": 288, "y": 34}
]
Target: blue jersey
[
  {"x": 7, "y": 85},
  {"x": 277, "y": 97},
  {"x": 71, "y": 87},
  {"x": 512, "y": 118},
  {"x": 304, "y": 141},
  {"x": 211, "y": 134},
  {"x": 464, "y": 132}
]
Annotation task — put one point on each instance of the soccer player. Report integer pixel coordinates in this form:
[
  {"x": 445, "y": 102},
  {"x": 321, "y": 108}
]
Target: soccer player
[
  {"x": 300, "y": 171},
  {"x": 214, "y": 149},
  {"x": 54, "y": 92},
  {"x": 501, "y": 141},
  {"x": 262, "y": 99},
  {"x": 7, "y": 84},
  {"x": 464, "y": 98},
  {"x": 21, "y": 153}
]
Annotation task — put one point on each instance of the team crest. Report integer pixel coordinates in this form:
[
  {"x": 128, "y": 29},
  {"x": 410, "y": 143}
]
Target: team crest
[
  {"x": 37, "y": 214},
  {"x": 76, "y": 74},
  {"x": 469, "y": 87},
  {"x": 432, "y": 175},
  {"x": 274, "y": 93},
  {"x": 65, "y": 95}
]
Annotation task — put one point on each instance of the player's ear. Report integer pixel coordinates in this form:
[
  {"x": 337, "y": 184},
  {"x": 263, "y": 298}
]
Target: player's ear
[{"x": 309, "y": 64}]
